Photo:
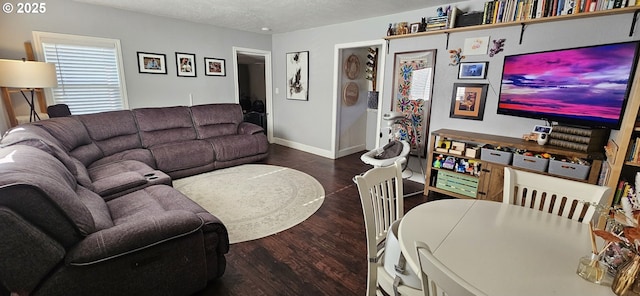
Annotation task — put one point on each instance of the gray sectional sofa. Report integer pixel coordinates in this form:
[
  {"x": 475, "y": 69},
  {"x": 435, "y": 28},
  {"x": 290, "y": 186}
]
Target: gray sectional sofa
[{"x": 87, "y": 207}]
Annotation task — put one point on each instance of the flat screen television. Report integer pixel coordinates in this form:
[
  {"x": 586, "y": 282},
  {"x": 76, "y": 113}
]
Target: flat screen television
[{"x": 586, "y": 86}]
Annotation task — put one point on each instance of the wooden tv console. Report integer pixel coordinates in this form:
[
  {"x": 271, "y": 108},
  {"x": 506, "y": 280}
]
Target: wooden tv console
[{"x": 491, "y": 178}]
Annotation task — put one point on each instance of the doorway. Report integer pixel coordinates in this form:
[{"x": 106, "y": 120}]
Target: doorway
[
  {"x": 356, "y": 126},
  {"x": 253, "y": 86}
]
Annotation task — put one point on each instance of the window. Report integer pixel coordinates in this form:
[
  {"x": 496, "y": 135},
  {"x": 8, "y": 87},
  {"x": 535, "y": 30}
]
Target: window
[{"x": 90, "y": 72}]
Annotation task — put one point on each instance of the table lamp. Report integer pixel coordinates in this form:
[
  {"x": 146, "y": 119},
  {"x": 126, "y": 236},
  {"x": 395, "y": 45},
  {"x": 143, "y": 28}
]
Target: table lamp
[{"x": 27, "y": 75}]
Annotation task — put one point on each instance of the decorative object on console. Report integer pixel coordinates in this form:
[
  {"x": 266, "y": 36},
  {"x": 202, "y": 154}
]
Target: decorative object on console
[
  {"x": 497, "y": 45},
  {"x": 152, "y": 63},
  {"x": 186, "y": 64},
  {"x": 214, "y": 67},
  {"x": 298, "y": 75},
  {"x": 583, "y": 139},
  {"x": 475, "y": 70},
  {"x": 468, "y": 101},
  {"x": 28, "y": 75}
]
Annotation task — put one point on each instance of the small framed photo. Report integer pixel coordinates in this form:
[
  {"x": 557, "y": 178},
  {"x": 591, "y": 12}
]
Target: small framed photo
[
  {"x": 214, "y": 67},
  {"x": 186, "y": 64},
  {"x": 476, "y": 70},
  {"x": 414, "y": 28},
  {"x": 468, "y": 100},
  {"x": 152, "y": 63}
]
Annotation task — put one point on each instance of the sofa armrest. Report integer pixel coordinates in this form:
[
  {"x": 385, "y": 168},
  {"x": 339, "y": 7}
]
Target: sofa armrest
[
  {"x": 133, "y": 236},
  {"x": 247, "y": 128},
  {"x": 117, "y": 183}
]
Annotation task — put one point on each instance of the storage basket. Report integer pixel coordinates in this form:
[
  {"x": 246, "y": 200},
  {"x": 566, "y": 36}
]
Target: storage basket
[
  {"x": 530, "y": 162},
  {"x": 568, "y": 169},
  {"x": 497, "y": 156}
]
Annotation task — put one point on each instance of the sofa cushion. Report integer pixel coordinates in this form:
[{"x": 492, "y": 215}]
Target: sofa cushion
[
  {"x": 74, "y": 138},
  {"x": 152, "y": 200},
  {"x": 238, "y": 146},
  {"x": 215, "y": 120},
  {"x": 50, "y": 176},
  {"x": 164, "y": 125},
  {"x": 119, "y": 136},
  {"x": 37, "y": 137},
  {"x": 142, "y": 155},
  {"x": 182, "y": 155},
  {"x": 81, "y": 174}
]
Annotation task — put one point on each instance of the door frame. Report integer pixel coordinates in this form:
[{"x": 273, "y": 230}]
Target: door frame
[
  {"x": 337, "y": 74},
  {"x": 268, "y": 81}
]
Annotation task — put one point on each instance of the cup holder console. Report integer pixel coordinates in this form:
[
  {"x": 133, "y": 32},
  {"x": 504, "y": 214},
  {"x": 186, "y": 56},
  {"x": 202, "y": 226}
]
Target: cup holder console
[{"x": 151, "y": 176}]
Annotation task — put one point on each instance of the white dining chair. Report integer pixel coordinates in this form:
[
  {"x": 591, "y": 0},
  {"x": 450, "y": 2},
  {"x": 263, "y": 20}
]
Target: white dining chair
[
  {"x": 567, "y": 198},
  {"x": 380, "y": 190},
  {"x": 439, "y": 279}
]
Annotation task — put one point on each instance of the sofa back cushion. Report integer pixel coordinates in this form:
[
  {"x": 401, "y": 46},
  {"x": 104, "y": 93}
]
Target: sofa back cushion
[
  {"x": 73, "y": 137},
  {"x": 164, "y": 125},
  {"x": 216, "y": 120},
  {"x": 27, "y": 165},
  {"x": 37, "y": 137},
  {"x": 113, "y": 132}
]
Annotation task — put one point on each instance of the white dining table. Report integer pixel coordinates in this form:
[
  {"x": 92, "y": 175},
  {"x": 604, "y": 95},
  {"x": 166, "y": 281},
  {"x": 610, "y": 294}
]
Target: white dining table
[{"x": 504, "y": 250}]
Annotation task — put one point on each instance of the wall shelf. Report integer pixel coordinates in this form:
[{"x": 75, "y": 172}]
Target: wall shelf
[{"x": 522, "y": 23}]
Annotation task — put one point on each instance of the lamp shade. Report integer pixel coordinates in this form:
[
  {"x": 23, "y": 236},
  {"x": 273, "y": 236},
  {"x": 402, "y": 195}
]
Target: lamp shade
[{"x": 26, "y": 74}]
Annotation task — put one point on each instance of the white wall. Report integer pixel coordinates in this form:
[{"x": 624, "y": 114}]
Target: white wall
[
  {"x": 139, "y": 32},
  {"x": 312, "y": 120}
]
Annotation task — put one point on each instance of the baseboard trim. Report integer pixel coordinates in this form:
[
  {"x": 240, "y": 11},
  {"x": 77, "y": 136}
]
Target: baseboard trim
[
  {"x": 351, "y": 150},
  {"x": 303, "y": 147}
]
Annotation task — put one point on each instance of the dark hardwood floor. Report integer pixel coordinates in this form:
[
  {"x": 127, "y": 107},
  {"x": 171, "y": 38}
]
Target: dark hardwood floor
[{"x": 324, "y": 255}]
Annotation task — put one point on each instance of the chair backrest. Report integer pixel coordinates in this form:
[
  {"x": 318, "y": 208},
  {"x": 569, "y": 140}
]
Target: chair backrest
[
  {"x": 58, "y": 110},
  {"x": 567, "y": 198},
  {"x": 439, "y": 279},
  {"x": 381, "y": 192}
]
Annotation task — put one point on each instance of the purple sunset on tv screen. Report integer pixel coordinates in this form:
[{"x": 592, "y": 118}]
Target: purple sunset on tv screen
[{"x": 585, "y": 86}]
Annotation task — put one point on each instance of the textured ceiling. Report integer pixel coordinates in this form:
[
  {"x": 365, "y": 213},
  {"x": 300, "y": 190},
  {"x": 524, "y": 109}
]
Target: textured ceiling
[{"x": 278, "y": 15}]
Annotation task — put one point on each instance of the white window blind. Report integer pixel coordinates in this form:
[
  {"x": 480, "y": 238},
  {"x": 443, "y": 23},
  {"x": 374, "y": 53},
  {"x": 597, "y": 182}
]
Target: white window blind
[{"x": 89, "y": 72}]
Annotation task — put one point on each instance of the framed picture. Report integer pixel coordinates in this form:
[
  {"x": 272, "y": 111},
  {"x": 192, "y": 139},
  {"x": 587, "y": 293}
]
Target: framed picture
[
  {"x": 214, "y": 67},
  {"x": 467, "y": 100},
  {"x": 476, "y": 46},
  {"x": 473, "y": 70},
  {"x": 414, "y": 28},
  {"x": 186, "y": 64},
  {"x": 298, "y": 75},
  {"x": 152, "y": 63}
]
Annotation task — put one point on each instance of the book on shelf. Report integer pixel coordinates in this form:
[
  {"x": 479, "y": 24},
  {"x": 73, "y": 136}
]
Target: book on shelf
[
  {"x": 633, "y": 154},
  {"x": 619, "y": 190}
]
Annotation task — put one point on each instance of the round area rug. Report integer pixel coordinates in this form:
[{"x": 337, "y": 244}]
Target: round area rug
[{"x": 255, "y": 200}]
